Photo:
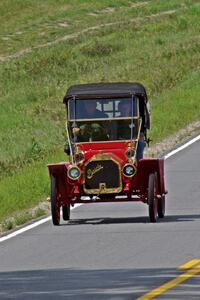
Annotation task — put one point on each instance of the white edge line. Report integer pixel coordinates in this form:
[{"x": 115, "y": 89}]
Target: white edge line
[
  {"x": 28, "y": 227},
  {"x": 182, "y": 147},
  {"x": 40, "y": 222}
]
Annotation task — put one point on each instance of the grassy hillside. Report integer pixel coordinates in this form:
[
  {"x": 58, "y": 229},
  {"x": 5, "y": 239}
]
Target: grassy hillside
[{"x": 48, "y": 45}]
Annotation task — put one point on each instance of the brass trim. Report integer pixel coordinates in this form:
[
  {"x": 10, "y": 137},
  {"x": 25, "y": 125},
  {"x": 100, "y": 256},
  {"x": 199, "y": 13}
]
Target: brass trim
[
  {"x": 129, "y": 176},
  {"x": 112, "y": 141},
  {"x": 74, "y": 167},
  {"x": 79, "y": 162},
  {"x": 78, "y": 151},
  {"x": 91, "y": 173},
  {"x": 99, "y": 191},
  {"x": 71, "y": 159},
  {"x": 138, "y": 136},
  {"x": 132, "y": 146},
  {"x": 132, "y": 156},
  {"x": 102, "y": 185},
  {"x": 104, "y": 119}
]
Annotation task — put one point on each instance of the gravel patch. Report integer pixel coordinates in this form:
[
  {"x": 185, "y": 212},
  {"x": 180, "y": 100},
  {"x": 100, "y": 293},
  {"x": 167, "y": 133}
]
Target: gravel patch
[{"x": 173, "y": 141}]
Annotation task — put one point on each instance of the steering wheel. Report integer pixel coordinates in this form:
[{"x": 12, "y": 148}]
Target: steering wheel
[{"x": 93, "y": 132}]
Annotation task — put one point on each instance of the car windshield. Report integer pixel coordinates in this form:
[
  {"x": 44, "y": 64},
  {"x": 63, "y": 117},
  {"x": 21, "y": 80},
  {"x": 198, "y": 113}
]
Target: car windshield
[
  {"x": 103, "y": 120},
  {"x": 103, "y": 108}
]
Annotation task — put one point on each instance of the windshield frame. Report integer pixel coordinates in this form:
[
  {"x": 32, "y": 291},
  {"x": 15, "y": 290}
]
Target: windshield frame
[
  {"x": 132, "y": 98},
  {"x": 71, "y": 137}
]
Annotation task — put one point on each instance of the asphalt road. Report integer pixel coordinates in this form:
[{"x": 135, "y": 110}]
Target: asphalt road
[{"x": 111, "y": 251}]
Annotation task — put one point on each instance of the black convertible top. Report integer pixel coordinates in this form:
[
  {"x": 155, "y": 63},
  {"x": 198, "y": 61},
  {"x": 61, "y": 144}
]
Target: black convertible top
[{"x": 96, "y": 90}]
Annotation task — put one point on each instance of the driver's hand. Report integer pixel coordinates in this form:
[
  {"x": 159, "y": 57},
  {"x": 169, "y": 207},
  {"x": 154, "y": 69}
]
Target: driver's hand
[{"x": 76, "y": 130}]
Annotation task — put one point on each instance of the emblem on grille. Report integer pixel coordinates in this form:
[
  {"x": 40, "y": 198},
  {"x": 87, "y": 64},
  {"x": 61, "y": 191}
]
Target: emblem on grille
[
  {"x": 91, "y": 172},
  {"x": 102, "y": 186}
]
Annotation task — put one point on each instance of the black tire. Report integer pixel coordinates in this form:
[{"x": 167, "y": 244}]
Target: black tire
[
  {"x": 161, "y": 207},
  {"x": 66, "y": 212},
  {"x": 55, "y": 205},
  {"x": 152, "y": 198}
]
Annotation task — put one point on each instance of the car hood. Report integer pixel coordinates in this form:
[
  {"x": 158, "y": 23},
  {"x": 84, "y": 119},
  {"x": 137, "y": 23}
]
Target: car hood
[{"x": 114, "y": 149}]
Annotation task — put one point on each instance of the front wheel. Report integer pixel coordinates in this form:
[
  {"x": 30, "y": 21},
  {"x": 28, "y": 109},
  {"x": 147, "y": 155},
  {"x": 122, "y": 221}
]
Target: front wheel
[
  {"x": 66, "y": 212},
  {"x": 161, "y": 207},
  {"x": 152, "y": 198},
  {"x": 55, "y": 203}
]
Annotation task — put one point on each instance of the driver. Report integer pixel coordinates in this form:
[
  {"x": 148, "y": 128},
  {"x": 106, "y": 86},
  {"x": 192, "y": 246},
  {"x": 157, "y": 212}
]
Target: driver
[{"x": 94, "y": 130}]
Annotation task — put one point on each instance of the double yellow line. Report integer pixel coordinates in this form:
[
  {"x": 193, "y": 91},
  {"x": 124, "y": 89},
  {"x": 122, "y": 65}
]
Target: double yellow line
[{"x": 194, "y": 268}]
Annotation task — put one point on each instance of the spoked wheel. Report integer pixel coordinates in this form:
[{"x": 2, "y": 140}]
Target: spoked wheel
[
  {"x": 66, "y": 212},
  {"x": 152, "y": 198},
  {"x": 161, "y": 207},
  {"x": 55, "y": 203}
]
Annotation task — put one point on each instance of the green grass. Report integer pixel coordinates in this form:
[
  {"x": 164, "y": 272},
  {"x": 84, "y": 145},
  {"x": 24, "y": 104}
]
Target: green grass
[
  {"x": 138, "y": 42},
  {"x": 179, "y": 108},
  {"x": 26, "y": 188}
]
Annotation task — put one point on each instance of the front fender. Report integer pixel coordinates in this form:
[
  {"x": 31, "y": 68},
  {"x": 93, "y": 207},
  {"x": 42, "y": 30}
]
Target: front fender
[
  {"x": 145, "y": 168},
  {"x": 59, "y": 171}
]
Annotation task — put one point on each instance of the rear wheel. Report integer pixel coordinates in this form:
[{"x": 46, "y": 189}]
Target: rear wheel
[
  {"x": 161, "y": 207},
  {"x": 55, "y": 203},
  {"x": 152, "y": 198},
  {"x": 66, "y": 212}
]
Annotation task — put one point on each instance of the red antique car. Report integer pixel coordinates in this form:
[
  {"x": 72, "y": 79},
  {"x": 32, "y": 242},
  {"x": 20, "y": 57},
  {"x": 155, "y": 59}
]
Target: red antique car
[{"x": 107, "y": 128}]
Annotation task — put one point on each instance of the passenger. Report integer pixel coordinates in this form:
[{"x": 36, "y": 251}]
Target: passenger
[
  {"x": 141, "y": 146},
  {"x": 124, "y": 108},
  {"x": 124, "y": 126}
]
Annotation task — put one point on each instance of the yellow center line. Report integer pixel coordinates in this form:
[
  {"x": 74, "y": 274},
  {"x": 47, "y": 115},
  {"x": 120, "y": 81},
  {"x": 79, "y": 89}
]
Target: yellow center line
[
  {"x": 172, "y": 283},
  {"x": 189, "y": 264}
]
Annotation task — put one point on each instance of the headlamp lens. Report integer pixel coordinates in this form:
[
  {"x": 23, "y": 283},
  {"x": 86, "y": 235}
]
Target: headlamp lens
[
  {"x": 74, "y": 173},
  {"x": 129, "y": 170}
]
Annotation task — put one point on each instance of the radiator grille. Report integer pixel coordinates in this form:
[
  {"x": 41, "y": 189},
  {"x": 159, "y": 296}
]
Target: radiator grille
[{"x": 102, "y": 176}]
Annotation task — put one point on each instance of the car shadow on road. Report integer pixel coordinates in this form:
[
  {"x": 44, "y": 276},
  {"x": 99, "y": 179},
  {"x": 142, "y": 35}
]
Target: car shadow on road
[
  {"x": 131, "y": 220},
  {"x": 108, "y": 220},
  {"x": 181, "y": 218}
]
